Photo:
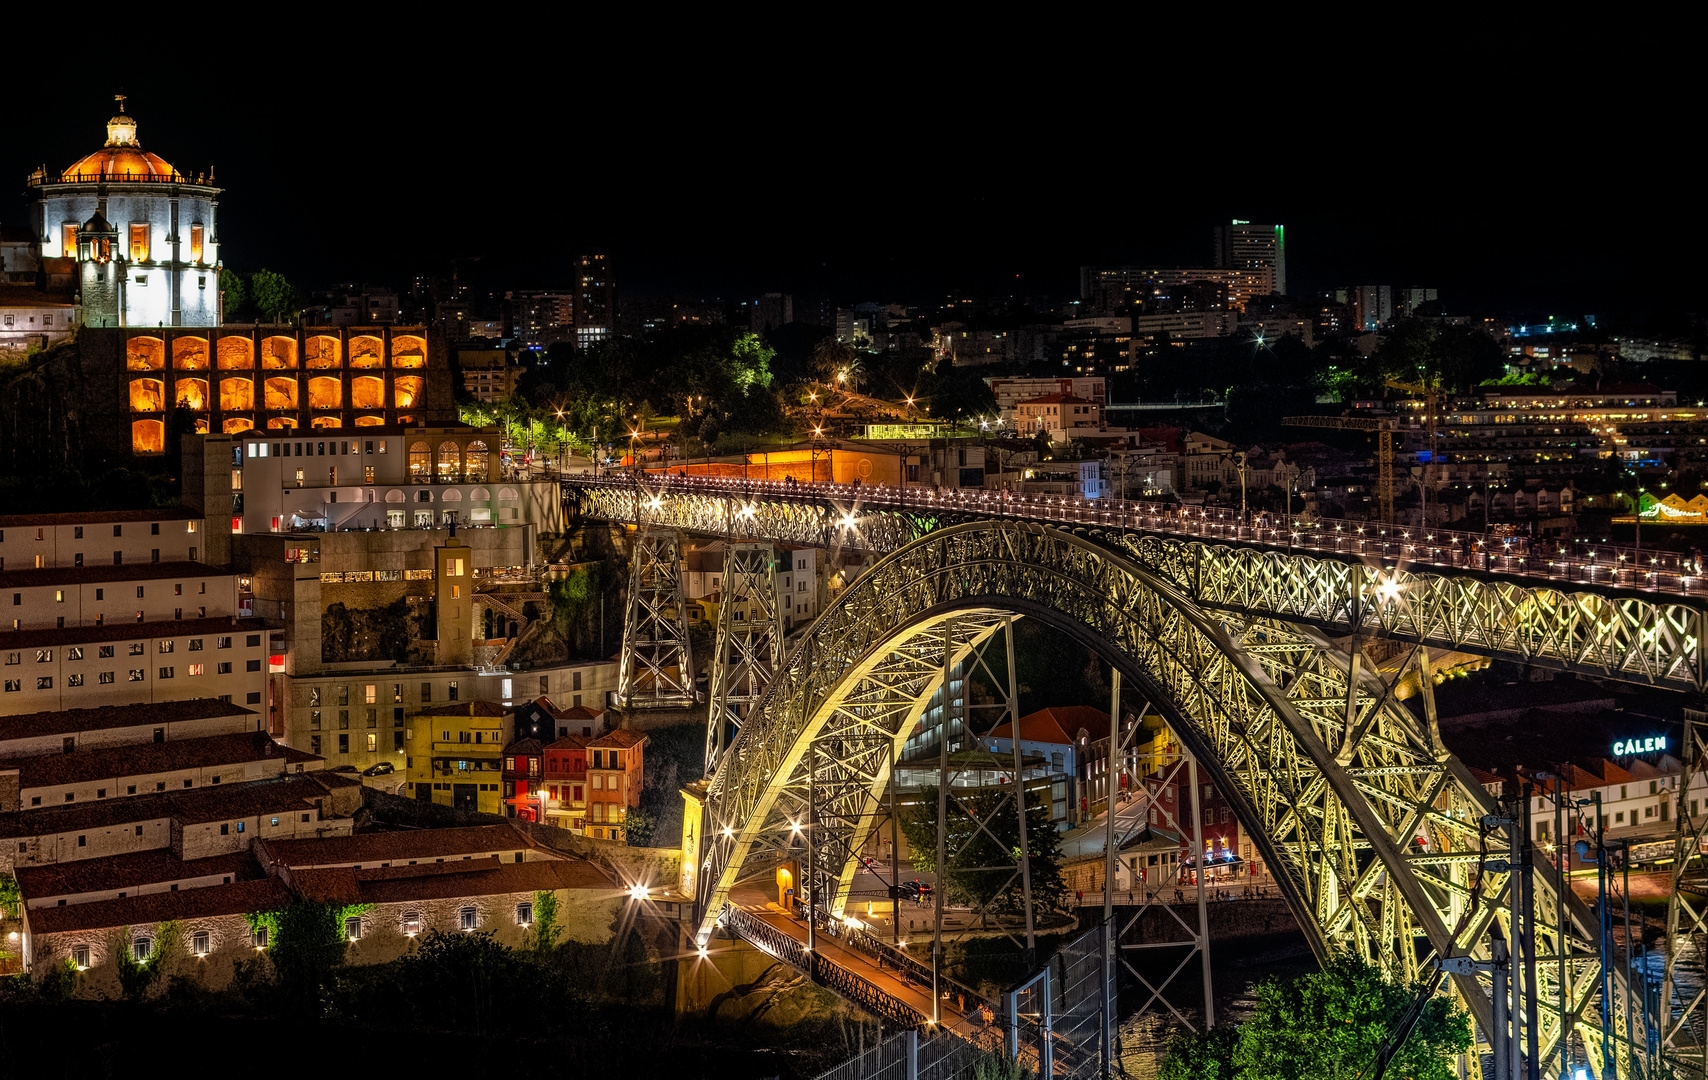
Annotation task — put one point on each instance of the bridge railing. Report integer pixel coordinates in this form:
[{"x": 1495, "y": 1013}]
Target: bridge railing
[
  {"x": 1556, "y": 561},
  {"x": 828, "y": 973},
  {"x": 898, "y": 960}
]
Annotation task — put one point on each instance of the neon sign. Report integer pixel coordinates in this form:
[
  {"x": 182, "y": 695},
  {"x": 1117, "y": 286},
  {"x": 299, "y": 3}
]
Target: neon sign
[{"x": 1626, "y": 747}]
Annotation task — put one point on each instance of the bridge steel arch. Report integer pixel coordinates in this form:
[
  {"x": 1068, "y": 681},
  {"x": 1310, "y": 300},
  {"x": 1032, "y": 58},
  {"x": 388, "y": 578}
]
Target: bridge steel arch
[{"x": 1374, "y": 832}]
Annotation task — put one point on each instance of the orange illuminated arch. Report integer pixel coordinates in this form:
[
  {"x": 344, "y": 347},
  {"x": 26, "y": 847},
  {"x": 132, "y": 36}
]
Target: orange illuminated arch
[
  {"x": 238, "y": 423},
  {"x": 279, "y": 352},
  {"x": 327, "y": 421},
  {"x": 366, "y": 351},
  {"x": 236, "y": 395},
  {"x": 474, "y": 462},
  {"x": 190, "y": 353},
  {"x": 145, "y": 354},
  {"x": 408, "y": 351},
  {"x": 190, "y": 394},
  {"x": 325, "y": 392},
  {"x": 282, "y": 422},
  {"x": 281, "y": 393},
  {"x": 235, "y": 354},
  {"x": 450, "y": 462},
  {"x": 323, "y": 351},
  {"x": 370, "y": 421},
  {"x": 367, "y": 392},
  {"x": 147, "y": 436},
  {"x": 405, "y": 390},
  {"x": 146, "y": 395}
]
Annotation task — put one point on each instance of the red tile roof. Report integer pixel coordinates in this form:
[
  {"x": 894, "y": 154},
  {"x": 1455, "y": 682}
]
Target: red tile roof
[
  {"x": 86, "y": 766},
  {"x": 451, "y": 881},
  {"x": 129, "y": 631},
  {"x": 1057, "y": 399},
  {"x": 119, "y": 872},
  {"x": 371, "y": 849},
  {"x": 90, "y": 575},
  {"x": 238, "y": 898},
  {"x": 107, "y": 717},
  {"x": 621, "y": 738},
  {"x": 1058, "y": 724},
  {"x": 277, "y": 795}
]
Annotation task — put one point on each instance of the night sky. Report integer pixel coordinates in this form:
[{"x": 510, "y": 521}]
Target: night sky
[{"x": 1529, "y": 183}]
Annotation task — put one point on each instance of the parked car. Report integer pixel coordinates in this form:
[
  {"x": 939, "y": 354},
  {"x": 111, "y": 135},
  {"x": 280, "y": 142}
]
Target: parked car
[{"x": 383, "y": 768}]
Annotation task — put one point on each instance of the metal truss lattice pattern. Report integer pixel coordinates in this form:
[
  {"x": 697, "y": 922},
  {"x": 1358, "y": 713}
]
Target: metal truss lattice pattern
[
  {"x": 1373, "y": 831},
  {"x": 749, "y": 643},
  {"x": 1598, "y": 631},
  {"x": 658, "y": 657}
]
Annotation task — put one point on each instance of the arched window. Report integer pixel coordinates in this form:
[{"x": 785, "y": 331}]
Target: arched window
[
  {"x": 237, "y": 424},
  {"x": 236, "y": 353},
  {"x": 450, "y": 462},
  {"x": 190, "y": 394},
  {"x": 280, "y": 393},
  {"x": 279, "y": 352},
  {"x": 145, "y": 395},
  {"x": 190, "y": 353},
  {"x": 420, "y": 462},
  {"x": 325, "y": 392},
  {"x": 147, "y": 436},
  {"x": 367, "y": 392},
  {"x": 405, "y": 389},
  {"x": 236, "y": 394},
  {"x": 322, "y": 351},
  {"x": 366, "y": 352},
  {"x": 474, "y": 462}
]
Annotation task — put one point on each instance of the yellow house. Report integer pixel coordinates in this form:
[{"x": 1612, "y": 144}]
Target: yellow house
[{"x": 456, "y": 755}]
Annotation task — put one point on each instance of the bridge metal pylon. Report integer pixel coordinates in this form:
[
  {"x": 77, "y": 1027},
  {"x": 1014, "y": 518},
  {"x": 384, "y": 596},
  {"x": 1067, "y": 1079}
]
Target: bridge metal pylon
[
  {"x": 749, "y": 644},
  {"x": 658, "y": 656}
]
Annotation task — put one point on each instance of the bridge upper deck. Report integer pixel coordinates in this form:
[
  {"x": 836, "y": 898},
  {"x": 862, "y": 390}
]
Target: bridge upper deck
[
  {"x": 1573, "y": 607},
  {"x": 1550, "y": 563}
]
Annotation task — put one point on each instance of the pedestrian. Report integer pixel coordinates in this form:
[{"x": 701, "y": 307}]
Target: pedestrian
[{"x": 1079, "y": 896}]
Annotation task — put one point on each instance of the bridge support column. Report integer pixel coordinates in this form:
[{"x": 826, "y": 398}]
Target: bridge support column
[
  {"x": 749, "y": 643},
  {"x": 657, "y": 659}
]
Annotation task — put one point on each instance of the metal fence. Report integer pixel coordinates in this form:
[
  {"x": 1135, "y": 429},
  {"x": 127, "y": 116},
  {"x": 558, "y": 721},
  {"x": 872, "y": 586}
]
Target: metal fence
[{"x": 1054, "y": 1023}]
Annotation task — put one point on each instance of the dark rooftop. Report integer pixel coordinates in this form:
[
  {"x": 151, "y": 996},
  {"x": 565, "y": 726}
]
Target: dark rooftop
[
  {"x": 89, "y": 575},
  {"x": 107, "y": 717},
  {"x": 128, "y": 631}
]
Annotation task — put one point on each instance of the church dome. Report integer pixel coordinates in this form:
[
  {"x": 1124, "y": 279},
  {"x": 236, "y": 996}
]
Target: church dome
[{"x": 122, "y": 158}]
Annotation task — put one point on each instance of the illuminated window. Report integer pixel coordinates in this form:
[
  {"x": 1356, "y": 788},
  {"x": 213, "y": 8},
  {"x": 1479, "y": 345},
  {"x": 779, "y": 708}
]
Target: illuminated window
[
  {"x": 139, "y": 243},
  {"x": 68, "y": 241},
  {"x": 195, "y": 243}
]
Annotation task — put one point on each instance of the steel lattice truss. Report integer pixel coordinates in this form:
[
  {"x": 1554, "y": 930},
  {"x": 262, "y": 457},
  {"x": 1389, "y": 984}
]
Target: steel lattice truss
[
  {"x": 749, "y": 642},
  {"x": 1373, "y": 831},
  {"x": 658, "y": 658},
  {"x": 1601, "y": 632}
]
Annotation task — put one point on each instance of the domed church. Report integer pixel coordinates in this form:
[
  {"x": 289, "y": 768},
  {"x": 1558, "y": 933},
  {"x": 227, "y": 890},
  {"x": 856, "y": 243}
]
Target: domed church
[{"x": 136, "y": 237}]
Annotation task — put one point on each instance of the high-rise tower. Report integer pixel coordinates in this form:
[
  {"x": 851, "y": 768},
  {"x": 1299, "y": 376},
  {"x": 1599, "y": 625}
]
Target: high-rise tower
[{"x": 1260, "y": 248}]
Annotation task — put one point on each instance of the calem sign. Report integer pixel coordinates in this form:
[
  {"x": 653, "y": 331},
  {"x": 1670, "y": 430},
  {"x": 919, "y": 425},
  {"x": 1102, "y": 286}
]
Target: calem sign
[{"x": 1626, "y": 747}]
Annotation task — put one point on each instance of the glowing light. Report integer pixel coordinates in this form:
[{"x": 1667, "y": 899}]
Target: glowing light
[
  {"x": 848, "y": 521},
  {"x": 1388, "y": 590},
  {"x": 637, "y": 892}
]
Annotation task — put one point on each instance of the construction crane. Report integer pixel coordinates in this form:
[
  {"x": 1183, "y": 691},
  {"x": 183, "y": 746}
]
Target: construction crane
[
  {"x": 1430, "y": 391},
  {"x": 1384, "y": 428}
]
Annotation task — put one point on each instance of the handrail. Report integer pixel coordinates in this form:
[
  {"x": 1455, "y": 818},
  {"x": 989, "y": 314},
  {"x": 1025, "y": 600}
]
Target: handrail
[
  {"x": 821, "y": 969},
  {"x": 1539, "y": 559},
  {"x": 905, "y": 965}
]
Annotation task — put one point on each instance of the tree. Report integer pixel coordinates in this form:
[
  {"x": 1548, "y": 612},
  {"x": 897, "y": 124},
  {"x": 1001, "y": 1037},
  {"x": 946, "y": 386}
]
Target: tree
[
  {"x": 307, "y": 944},
  {"x": 232, "y": 294},
  {"x": 274, "y": 296},
  {"x": 981, "y": 863},
  {"x": 1326, "y": 1025},
  {"x": 638, "y": 827}
]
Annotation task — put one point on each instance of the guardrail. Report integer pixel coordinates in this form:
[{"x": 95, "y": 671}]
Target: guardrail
[
  {"x": 1543, "y": 560},
  {"x": 828, "y": 973},
  {"x": 899, "y": 961}
]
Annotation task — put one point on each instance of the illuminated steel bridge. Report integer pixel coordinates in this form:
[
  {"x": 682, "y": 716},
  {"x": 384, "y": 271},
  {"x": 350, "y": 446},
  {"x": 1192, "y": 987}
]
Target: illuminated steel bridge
[{"x": 1375, "y": 833}]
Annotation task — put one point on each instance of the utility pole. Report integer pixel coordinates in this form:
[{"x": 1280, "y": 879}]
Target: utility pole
[{"x": 1499, "y": 1037}]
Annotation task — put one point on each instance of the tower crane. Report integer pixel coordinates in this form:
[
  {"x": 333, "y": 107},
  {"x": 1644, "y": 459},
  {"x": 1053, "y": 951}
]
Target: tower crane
[{"x": 1384, "y": 428}]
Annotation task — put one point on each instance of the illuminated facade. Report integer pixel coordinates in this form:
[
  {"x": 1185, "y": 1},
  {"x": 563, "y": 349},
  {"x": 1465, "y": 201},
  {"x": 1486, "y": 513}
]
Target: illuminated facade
[
  {"x": 140, "y": 234},
  {"x": 266, "y": 378}
]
